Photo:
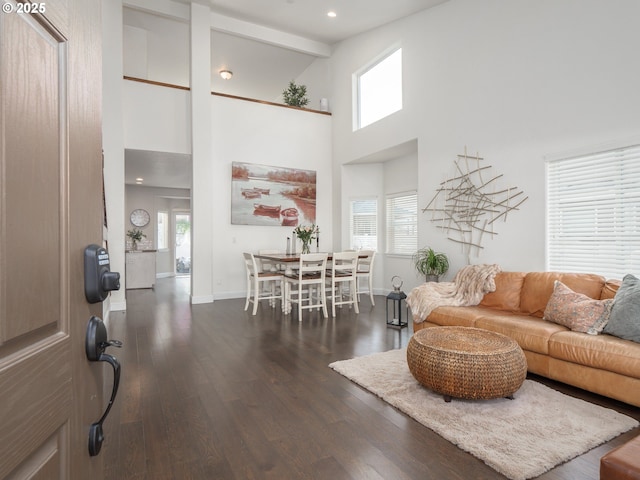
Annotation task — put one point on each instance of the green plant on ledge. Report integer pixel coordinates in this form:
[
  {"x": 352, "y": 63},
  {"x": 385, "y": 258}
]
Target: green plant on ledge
[
  {"x": 431, "y": 264},
  {"x": 135, "y": 235},
  {"x": 295, "y": 95}
]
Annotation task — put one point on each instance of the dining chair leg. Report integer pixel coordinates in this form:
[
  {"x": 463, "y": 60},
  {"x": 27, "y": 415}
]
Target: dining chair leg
[
  {"x": 333, "y": 299},
  {"x": 354, "y": 297},
  {"x": 287, "y": 298},
  {"x": 373, "y": 303},
  {"x": 256, "y": 294},
  {"x": 272, "y": 301},
  {"x": 246, "y": 304},
  {"x": 323, "y": 295}
]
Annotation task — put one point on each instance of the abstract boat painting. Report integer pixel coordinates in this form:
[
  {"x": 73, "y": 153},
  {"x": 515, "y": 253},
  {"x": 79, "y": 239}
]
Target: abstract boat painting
[{"x": 268, "y": 195}]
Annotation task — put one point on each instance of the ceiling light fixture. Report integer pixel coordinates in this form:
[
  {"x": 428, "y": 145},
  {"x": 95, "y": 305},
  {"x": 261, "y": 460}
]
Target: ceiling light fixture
[
  {"x": 332, "y": 14},
  {"x": 226, "y": 74}
]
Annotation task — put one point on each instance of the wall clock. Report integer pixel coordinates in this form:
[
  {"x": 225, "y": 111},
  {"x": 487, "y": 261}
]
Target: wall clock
[{"x": 140, "y": 217}]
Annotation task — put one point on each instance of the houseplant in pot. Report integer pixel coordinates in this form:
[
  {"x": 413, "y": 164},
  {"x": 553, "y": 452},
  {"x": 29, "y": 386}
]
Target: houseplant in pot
[
  {"x": 295, "y": 95},
  {"x": 135, "y": 235},
  {"x": 430, "y": 263}
]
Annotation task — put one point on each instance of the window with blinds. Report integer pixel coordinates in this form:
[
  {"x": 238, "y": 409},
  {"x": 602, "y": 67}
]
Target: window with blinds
[
  {"x": 593, "y": 213},
  {"x": 364, "y": 224},
  {"x": 402, "y": 223}
]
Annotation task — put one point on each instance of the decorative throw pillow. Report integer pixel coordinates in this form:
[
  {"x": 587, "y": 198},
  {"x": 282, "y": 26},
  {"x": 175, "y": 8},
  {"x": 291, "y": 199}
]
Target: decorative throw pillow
[
  {"x": 576, "y": 311},
  {"x": 624, "y": 321}
]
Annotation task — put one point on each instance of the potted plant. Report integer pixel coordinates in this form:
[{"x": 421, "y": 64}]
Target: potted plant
[
  {"x": 135, "y": 235},
  {"x": 430, "y": 263},
  {"x": 295, "y": 95}
]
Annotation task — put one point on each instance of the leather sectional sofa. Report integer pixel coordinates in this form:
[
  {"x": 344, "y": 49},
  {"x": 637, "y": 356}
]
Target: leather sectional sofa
[{"x": 602, "y": 363}]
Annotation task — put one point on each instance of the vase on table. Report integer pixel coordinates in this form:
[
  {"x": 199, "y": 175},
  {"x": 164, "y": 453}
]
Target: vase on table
[{"x": 305, "y": 246}]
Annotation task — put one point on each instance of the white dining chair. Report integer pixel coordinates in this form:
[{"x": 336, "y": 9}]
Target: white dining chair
[
  {"x": 257, "y": 280},
  {"x": 341, "y": 280},
  {"x": 365, "y": 273},
  {"x": 301, "y": 284}
]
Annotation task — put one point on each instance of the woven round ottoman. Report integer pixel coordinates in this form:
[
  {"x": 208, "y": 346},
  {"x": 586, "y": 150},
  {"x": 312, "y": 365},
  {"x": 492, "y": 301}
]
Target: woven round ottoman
[{"x": 465, "y": 362}]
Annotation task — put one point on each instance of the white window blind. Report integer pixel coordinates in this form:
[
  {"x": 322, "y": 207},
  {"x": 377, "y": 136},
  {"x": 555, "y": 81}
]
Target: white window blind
[
  {"x": 402, "y": 224},
  {"x": 364, "y": 224},
  {"x": 593, "y": 213}
]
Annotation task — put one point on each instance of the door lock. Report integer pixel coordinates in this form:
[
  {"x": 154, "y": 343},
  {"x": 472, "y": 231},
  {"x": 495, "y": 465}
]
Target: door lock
[
  {"x": 99, "y": 280},
  {"x": 95, "y": 344}
]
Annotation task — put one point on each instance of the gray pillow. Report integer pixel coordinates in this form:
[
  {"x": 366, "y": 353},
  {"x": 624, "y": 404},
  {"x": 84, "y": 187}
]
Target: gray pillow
[{"x": 624, "y": 321}]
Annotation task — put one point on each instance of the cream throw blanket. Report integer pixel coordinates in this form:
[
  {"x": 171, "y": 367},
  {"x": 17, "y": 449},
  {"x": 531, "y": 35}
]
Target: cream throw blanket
[{"x": 468, "y": 287}]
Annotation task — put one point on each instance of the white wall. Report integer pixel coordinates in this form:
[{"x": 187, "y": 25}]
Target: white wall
[
  {"x": 378, "y": 179},
  {"x": 156, "y": 118},
  {"x": 243, "y": 132},
  {"x": 400, "y": 176},
  {"x": 156, "y": 47},
  {"x": 135, "y": 55},
  {"x": 362, "y": 181},
  {"x": 268, "y": 135},
  {"x": 317, "y": 80},
  {"x": 514, "y": 81},
  {"x": 113, "y": 143},
  {"x": 202, "y": 198}
]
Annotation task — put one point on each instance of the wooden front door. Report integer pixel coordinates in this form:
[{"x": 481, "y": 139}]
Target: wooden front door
[{"x": 50, "y": 209}]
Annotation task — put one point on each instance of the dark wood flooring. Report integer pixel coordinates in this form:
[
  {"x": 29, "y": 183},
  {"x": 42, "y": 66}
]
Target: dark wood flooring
[{"x": 212, "y": 392}]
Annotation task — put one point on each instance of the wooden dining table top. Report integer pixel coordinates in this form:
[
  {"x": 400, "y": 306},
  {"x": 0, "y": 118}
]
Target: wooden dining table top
[{"x": 291, "y": 257}]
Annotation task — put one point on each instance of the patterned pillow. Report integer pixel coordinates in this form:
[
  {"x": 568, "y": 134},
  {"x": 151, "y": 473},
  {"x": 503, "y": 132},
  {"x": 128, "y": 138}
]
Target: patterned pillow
[{"x": 576, "y": 311}]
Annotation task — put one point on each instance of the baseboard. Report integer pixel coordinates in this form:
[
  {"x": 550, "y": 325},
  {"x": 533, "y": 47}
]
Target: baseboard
[
  {"x": 197, "y": 300},
  {"x": 112, "y": 314},
  {"x": 230, "y": 295},
  {"x": 118, "y": 306}
]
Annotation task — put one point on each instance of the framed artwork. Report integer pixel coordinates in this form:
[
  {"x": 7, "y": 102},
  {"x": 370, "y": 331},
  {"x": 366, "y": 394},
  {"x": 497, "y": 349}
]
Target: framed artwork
[{"x": 267, "y": 195}]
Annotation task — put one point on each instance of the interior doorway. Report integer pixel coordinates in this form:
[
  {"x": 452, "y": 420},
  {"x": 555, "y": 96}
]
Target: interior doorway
[{"x": 182, "y": 223}]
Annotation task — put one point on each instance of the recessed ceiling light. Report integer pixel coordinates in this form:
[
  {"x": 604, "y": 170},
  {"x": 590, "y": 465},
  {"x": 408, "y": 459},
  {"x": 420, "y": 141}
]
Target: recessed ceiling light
[
  {"x": 226, "y": 74},
  {"x": 139, "y": 179},
  {"x": 332, "y": 14}
]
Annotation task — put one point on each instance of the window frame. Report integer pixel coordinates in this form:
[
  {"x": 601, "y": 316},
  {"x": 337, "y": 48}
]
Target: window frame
[
  {"x": 166, "y": 235},
  {"x": 357, "y": 88}
]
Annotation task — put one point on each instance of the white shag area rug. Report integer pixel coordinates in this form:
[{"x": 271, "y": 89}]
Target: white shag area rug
[{"x": 520, "y": 438}]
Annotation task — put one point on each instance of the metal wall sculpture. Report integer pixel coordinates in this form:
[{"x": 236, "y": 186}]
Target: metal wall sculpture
[{"x": 467, "y": 205}]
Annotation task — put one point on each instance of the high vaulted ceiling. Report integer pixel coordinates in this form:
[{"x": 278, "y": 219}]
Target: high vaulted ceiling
[
  {"x": 307, "y": 33},
  {"x": 308, "y": 18}
]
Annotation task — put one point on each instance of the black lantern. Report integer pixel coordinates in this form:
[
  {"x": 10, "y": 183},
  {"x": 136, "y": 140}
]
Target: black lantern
[{"x": 396, "y": 299}]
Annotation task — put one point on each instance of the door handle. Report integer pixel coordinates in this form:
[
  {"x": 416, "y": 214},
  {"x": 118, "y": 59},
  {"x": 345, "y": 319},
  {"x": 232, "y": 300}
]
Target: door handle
[{"x": 95, "y": 344}]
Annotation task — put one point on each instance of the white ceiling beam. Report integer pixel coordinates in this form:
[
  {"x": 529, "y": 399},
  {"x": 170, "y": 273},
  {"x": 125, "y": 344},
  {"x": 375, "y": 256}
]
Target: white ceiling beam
[
  {"x": 233, "y": 26},
  {"x": 164, "y": 8},
  {"x": 253, "y": 31}
]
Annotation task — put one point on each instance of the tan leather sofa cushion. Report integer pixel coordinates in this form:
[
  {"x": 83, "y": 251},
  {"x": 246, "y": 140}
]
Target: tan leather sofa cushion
[
  {"x": 507, "y": 294},
  {"x": 538, "y": 287},
  {"x": 598, "y": 351},
  {"x": 458, "y": 316},
  {"x": 531, "y": 333},
  {"x": 609, "y": 289}
]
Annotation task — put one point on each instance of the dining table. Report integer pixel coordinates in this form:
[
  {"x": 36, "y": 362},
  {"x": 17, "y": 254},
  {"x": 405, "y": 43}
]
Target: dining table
[{"x": 289, "y": 259}]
